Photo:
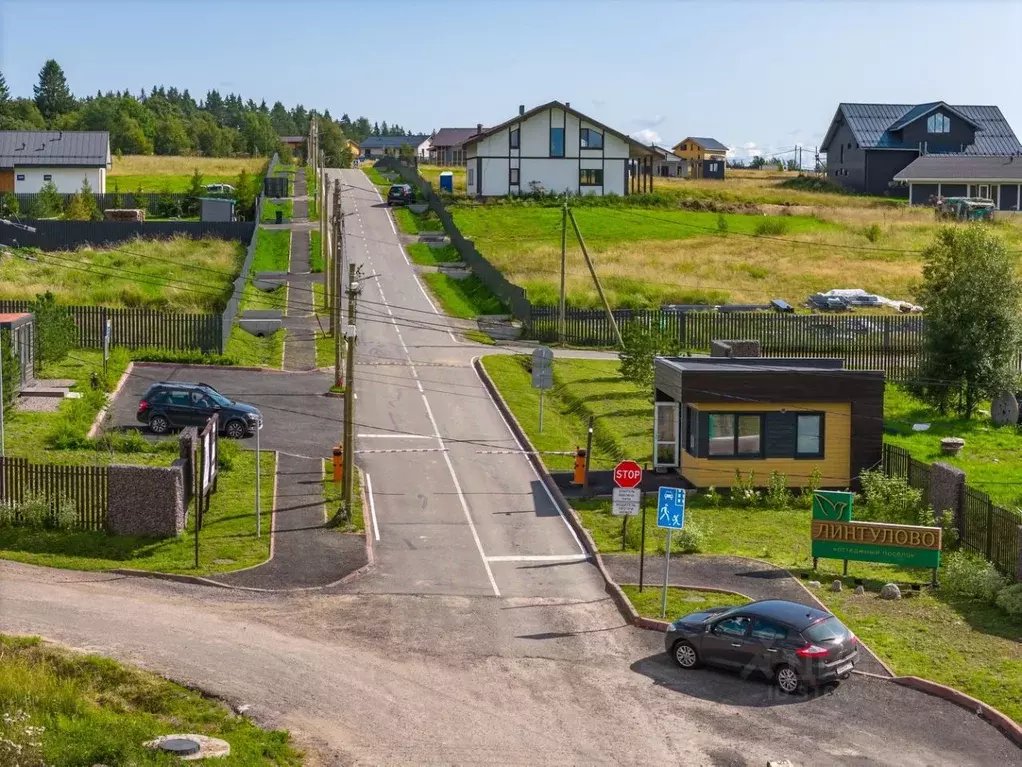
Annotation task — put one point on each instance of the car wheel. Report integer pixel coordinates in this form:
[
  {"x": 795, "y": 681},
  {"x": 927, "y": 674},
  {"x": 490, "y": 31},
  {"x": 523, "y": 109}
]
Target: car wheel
[
  {"x": 159, "y": 425},
  {"x": 788, "y": 680},
  {"x": 235, "y": 429},
  {"x": 685, "y": 655}
]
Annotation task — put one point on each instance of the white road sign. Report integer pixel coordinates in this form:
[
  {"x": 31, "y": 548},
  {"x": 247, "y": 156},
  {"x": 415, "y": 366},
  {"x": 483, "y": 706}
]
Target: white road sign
[{"x": 626, "y": 501}]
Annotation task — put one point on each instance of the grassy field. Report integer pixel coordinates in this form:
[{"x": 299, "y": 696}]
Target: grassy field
[
  {"x": 934, "y": 635},
  {"x": 268, "y": 214},
  {"x": 466, "y": 298},
  {"x": 426, "y": 255},
  {"x": 92, "y": 710},
  {"x": 174, "y": 174},
  {"x": 679, "y": 601},
  {"x": 432, "y": 174},
  {"x": 180, "y": 274},
  {"x": 990, "y": 459},
  {"x": 646, "y": 257}
]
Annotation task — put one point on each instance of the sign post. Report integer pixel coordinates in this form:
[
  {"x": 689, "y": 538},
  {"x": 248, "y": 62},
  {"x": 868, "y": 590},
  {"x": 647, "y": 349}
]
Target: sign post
[
  {"x": 542, "y": 375},
  {"x": 106, "y": 345},
  {"x": 627, "y": 495},
  {"x": 670, "y": 515},
  {"x": 259, "y": 490},
  {"x": 642, "y": 542}
]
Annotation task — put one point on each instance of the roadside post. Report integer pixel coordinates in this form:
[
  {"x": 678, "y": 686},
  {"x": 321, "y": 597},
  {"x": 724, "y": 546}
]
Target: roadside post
[
  {"x": 670, "y": 515},
  {"x": 206, "y": 473},
  {"x": 106, "y": 346},
  {"x": 589, "y": 453},
  {"x": 642, "y": 540},
  {"x": 542, "y": 375},
  {"x": 627, "y": 495}
]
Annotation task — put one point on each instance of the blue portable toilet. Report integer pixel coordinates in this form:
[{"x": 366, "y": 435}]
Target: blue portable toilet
[{"x": 447, "y": 182}]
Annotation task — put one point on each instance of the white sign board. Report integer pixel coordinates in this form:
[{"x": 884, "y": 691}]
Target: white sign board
[
  {"x": 626, "y": 501},
  {"x": 210, "y": 466},
  {"x": 543, "y": 368}
]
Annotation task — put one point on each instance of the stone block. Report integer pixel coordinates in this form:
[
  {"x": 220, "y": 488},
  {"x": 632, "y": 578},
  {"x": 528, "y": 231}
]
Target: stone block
[
  {"x": 147, "y": 500},
  {"x": 946, "y": 482},
  {"x": 735, "y": 348},
  {"x": 890, "y": 591}
]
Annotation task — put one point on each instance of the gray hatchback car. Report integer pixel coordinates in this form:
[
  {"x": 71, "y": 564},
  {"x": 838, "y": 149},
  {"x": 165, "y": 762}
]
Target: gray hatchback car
[{"x": 795, "y": 645}]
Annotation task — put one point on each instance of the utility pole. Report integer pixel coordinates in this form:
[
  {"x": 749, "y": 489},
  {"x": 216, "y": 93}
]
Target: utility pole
[
  {"x": 335, "y": 313},
  {"x": 596, "y": 280},
  {"x": 325, "y": 217},
  {"x": 349, "y": 395},
  {"x": 561, "y": 307}
]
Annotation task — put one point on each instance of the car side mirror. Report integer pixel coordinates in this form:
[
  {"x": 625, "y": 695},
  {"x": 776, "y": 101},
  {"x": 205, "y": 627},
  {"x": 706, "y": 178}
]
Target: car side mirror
[{"x": 709, "y": 628}]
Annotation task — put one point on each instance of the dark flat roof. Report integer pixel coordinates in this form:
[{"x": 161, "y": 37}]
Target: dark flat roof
[{"x": 754, "y": 364}]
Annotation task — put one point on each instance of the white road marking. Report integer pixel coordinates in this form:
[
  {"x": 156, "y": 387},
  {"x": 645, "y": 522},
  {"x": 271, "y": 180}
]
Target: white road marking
[
  {"x": 372, "y": 506},
  {"x": 396, "y": 436},
  {"x": 522, "y": 448},
  {"x": 540, "y": 558}
]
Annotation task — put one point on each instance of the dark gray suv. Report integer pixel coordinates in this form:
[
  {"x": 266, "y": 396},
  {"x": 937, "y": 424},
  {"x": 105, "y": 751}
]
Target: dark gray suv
[
  {"x": 173, "y": 405},
  {"x": 795, "y": 645}
]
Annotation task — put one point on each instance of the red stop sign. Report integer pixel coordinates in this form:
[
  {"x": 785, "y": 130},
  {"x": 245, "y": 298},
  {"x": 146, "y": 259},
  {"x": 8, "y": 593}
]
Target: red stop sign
[{"x": 627, "y": 474}]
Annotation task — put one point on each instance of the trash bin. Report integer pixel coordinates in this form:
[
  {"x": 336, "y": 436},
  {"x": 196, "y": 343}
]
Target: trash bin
[{"x": 280, "y": 217}]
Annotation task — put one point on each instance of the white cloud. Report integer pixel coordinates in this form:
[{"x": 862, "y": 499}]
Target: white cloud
[
  {"x": 745, "y": 151},
  {"x": 647, "y": 136}
]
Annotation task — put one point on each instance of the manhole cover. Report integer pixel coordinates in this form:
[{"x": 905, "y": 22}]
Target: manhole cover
[{"x": 180, "y": 746}]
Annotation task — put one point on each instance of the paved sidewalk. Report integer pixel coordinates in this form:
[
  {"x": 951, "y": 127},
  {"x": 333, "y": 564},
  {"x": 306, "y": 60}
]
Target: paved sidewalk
[{"x": 306, "y": 553}]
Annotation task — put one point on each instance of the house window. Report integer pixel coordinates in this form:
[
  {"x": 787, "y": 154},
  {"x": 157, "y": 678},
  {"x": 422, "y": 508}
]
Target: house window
[
  {"x": 713, "y": 167},
  {"x": 513, "y": 176},
  {"x": 21, "y": 177},
  {"x": 47, "y": 177},
  {"x": 938, "y": 123},
  {"x": 514, "y": 137},
  {"x": 665, "y": 431},
  {"x": 684, "y": 147},
  {"x": 842, "y": 154},
  {"x": 734, "y": 434},
  {"x": 809, "y": 435},
  {"x": 590, "y": 177},
  {"x": 557, "y": 142},
  {"x": 590, "y": 139},
  {"x": 691, "y": 434},
  {"x": 470, "y": 178}
]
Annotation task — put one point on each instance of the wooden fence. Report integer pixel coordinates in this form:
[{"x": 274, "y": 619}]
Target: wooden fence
[
  {"x": 138, "y": 328},
  {"x": 86, "y": 486}
]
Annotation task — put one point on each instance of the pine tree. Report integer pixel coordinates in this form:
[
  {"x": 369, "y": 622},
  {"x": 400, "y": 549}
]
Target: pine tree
[
  {"x": 52, "y": 95},
  {"x": 196, "y": 189},
  {"x": 5, "y": 94}
]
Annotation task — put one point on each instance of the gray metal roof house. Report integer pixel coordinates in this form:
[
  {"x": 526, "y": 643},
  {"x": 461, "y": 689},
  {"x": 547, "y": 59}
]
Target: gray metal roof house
[
  {"x": 995, "y": 178},
  {"x": 868, "y": 145},
  {"x": 448, "y": 145},
  {"x": 29, "y": 159},
  {"x": 378, "y": 146}
]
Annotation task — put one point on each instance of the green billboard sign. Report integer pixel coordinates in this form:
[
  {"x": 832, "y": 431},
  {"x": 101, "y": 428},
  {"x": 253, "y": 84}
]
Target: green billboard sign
[{"x": 836, "y": 536}]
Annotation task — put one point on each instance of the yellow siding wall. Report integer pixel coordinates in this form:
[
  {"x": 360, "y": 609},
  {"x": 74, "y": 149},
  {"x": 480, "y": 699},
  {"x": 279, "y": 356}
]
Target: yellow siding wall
[{"x": 837, "y": 440}]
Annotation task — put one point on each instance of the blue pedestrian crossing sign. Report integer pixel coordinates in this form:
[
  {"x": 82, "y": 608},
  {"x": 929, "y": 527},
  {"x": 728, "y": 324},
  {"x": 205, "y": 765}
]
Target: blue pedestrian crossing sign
[{"x": 671, "y": 508}]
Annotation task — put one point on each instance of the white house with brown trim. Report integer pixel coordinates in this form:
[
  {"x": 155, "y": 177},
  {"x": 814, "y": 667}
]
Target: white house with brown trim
[
  {"x": 552, "y": 149},
  {"x": 28, "y": 159}
]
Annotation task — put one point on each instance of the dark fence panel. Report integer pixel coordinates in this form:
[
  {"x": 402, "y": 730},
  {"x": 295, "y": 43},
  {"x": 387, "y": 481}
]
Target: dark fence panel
[
  {"x": 68, "y": 235},
  {"x": 86, "y": 486},
  {"x": 990, "y": 530},
  {"x": 139, "y": 328}
]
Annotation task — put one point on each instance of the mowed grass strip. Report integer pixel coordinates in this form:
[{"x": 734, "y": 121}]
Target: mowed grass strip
[
  {"x": 423, "y": 254},
  {"x": 270, "y": 208},
  {"x": 679, "y": 601},
  {"x": 273, "y": 250},
  {"x": 466, "y": 298},
  {"x": 180, "y": 274},
  {"x": 92, "y": 710}
]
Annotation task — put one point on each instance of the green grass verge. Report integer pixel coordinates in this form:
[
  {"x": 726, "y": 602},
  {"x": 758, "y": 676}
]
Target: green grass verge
[
  {"x": 248, "y": 350},
  {"x": 316, "y": 253},
  {"x": 415, "y": 223},
  {"x": 273, "y": 251},
  {"x": 325, "y": 349},
  {"x": 679, "y": 601},
  {"x": 376, "y": 177},
  {"x": 991, "y": 456},
  {"x": 479, "y": 337},
  {"x": 467, "y": 298},
  {"x": 270, "y": 208},
  {"x": 334, "y": 500},
  {"x": 227, "y": 540},
  {"x": 92, "y": 710},
  {"x": 426, "y": 255},
  {"x": 963, "y": 643}
]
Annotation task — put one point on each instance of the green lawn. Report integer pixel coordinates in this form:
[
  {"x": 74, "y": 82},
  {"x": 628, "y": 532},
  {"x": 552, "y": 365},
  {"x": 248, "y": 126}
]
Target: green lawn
[
  {"x": 92, "y": 710},
  {"x": 479, "y": 337},
  {"x": 273, "y": 251},
  {"x": 679, "y": 601},
  {"x": 158, "y": 183},
  {"x": 248, "y": 350},
  {"x": 427, "y": 255},
  {"x": 227, "y": 540},
  {"x": 933, "y": 635},
  {"x": 270, "y": 208},
  {"x": 992, "y": 454},
  {"x": 467, "y": 298},
  {"x": 415, "y": 223},
  {"x": 432, "y": 174},
  {"x": 180, "y": 274},
  {"x": 316, "y": 253}
]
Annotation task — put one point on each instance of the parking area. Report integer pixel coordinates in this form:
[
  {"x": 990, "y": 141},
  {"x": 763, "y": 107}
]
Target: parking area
[{"x": 298, "y": 418}]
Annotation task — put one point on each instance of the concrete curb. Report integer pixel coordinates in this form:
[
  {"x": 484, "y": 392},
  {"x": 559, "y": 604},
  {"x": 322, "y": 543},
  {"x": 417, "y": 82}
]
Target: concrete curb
[
  {"x": 98, "y": 420},
  {"x": 1011, "y": 729}
]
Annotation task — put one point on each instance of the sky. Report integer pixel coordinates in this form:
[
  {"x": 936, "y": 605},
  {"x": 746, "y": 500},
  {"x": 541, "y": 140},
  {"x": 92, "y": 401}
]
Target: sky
[{"x": 759, "y": 76}]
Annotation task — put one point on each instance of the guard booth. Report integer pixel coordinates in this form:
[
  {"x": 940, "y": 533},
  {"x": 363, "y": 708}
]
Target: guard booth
[{"x": 20, "y": 329}]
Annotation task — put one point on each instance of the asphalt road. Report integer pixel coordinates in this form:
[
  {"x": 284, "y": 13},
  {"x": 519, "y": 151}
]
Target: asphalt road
[{"x": 481, "y": 637}]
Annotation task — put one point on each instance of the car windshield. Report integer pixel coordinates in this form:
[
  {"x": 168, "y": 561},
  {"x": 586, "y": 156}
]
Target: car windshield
[
  {"x": 828, "y": 630},
  {"x": 397, "y": 189},
  {"x": 218, "y": 398}
]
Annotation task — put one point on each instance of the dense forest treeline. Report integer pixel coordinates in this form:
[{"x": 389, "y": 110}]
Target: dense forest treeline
[{"x": 169, "y": 121}]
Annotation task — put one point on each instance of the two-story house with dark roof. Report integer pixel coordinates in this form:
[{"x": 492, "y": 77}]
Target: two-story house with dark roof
[{"x": 867, "y": 145}]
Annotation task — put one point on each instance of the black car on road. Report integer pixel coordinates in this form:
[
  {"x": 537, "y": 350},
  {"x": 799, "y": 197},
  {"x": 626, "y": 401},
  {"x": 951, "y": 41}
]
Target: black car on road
[
  {"x": 173, "y": 405},
  {"x": 400, "y": 194},
  {"x": 795, "y": 645}
]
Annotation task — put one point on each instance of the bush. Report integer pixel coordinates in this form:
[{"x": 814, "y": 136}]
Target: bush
[
  {"x": 873, "y": 232},
  {"x": 1009, "y": 599},
  {"x": 771, "y": 227},
  {"x": 721, "y": 224},
  {"x": 778, "y": 495},
  {"x": 227, "y": 454},
  {"x": 970, "y": 575},
  {"x": 713, "y": 497},
  {"x": 743, "y": 491},
  {"x": 688, "y": 540},
  {"x": 182, "y": 357},
  {"x": 47, "y": 203},
  {"x": 9, "y": 206},
  {"x": 891, "y": 499},
  {"x": 56, "y": 333},
  {"x": 642, "y": 345},
  {"x": 34, "y": 512},
  {"x": 810, "y": 487}
]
